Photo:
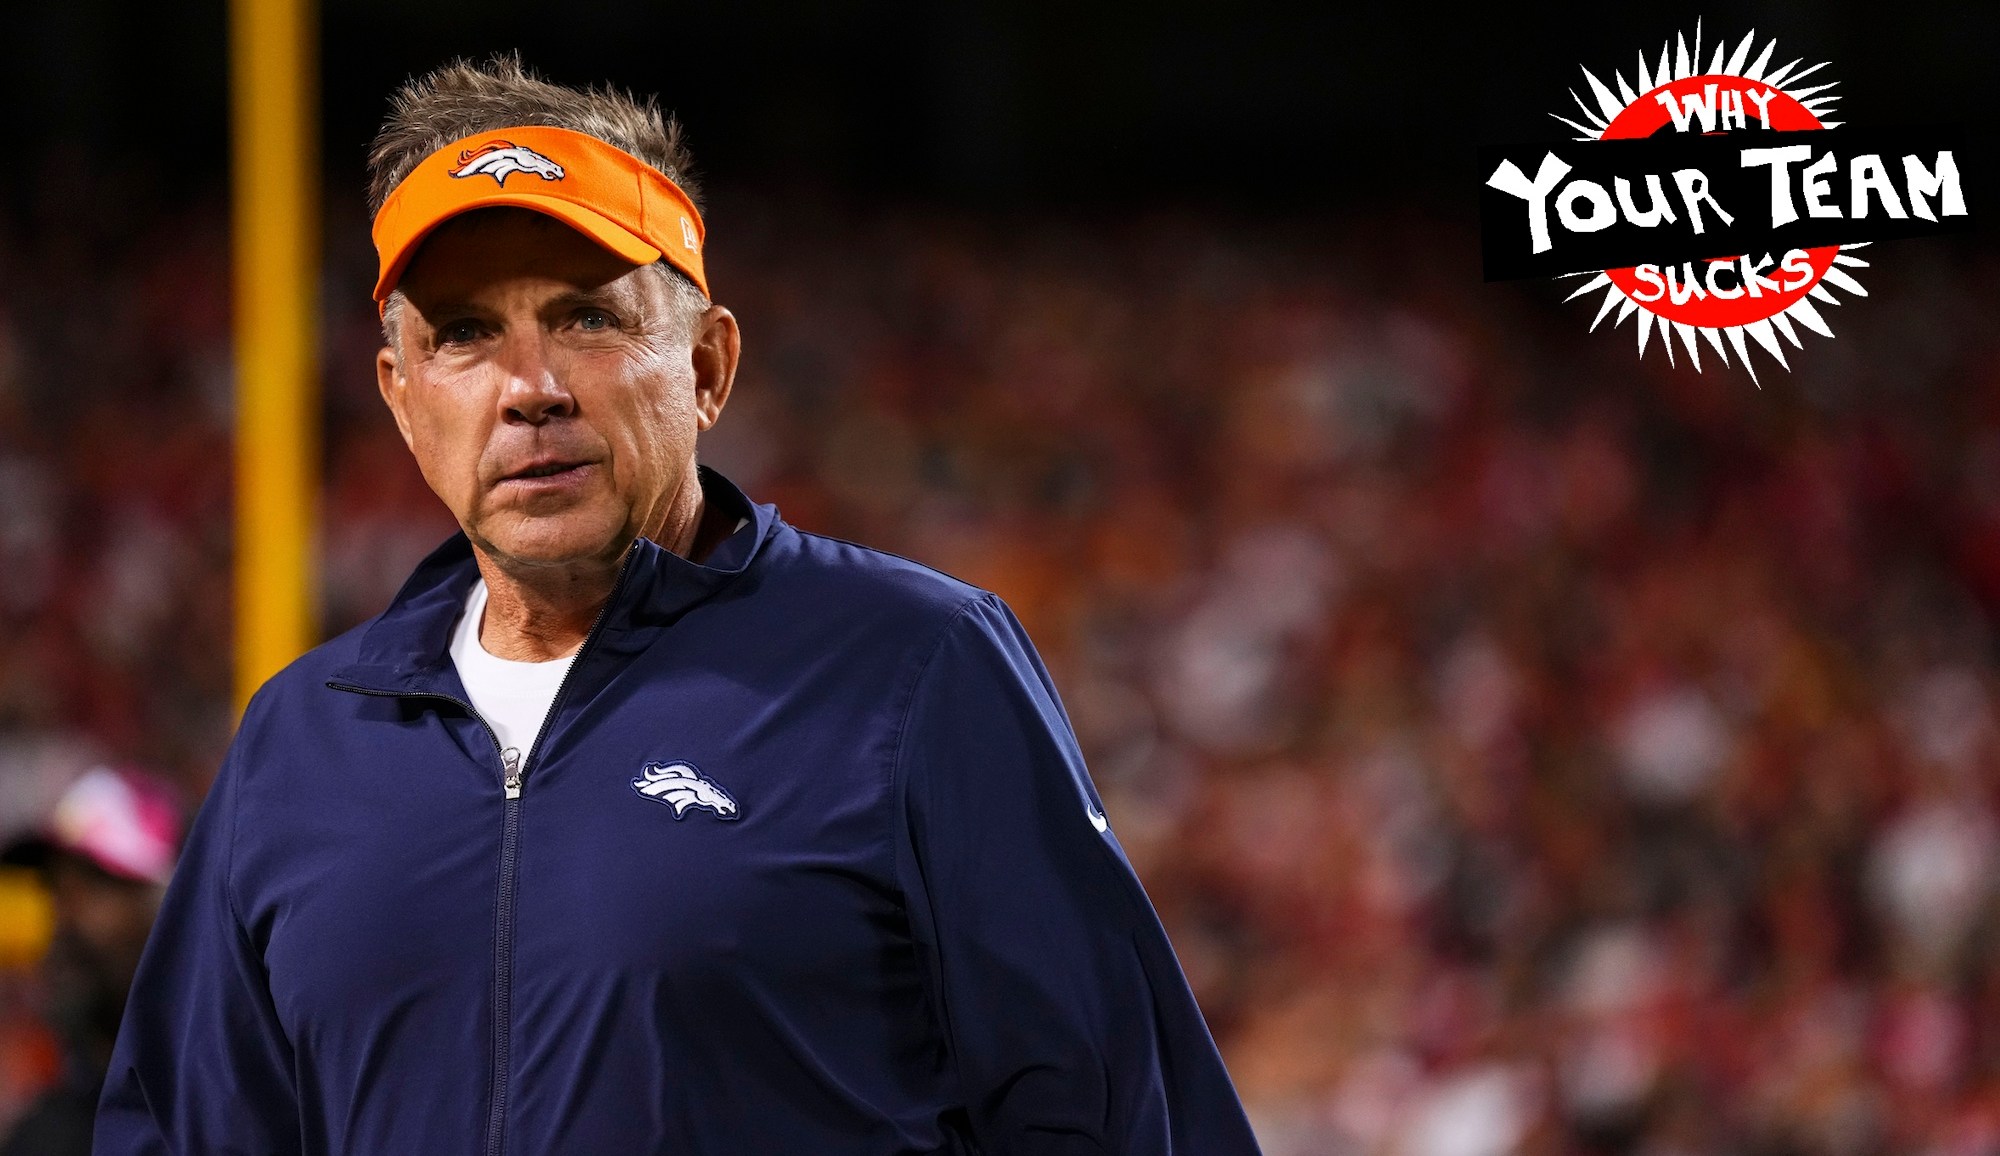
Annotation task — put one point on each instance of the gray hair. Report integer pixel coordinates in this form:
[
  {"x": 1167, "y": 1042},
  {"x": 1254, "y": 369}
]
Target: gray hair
[{"x": 463, "y": 98}]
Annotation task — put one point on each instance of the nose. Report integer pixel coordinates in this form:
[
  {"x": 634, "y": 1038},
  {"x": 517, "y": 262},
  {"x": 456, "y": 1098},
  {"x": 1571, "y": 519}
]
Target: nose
[{"x": 532, "y": 390}]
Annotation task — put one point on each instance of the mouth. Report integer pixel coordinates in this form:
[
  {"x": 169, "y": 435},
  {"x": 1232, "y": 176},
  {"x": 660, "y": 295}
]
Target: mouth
[{"x": 551, "y": 471}]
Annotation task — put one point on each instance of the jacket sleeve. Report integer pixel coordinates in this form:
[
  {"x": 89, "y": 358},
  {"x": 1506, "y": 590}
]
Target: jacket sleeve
[
  {"x": 1067, "y": 1018},
  {"x": 202, "y": 1064}
]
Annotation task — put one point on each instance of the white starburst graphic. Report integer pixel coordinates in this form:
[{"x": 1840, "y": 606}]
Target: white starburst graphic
[{"x": 1688, "y": 97}]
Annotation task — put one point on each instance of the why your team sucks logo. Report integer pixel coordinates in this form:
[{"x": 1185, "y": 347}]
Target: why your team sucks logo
[
  {"x": 1716, "y": 204},
  {"x": 502, "y": 159},
  {"x": 681, "y": 786}
]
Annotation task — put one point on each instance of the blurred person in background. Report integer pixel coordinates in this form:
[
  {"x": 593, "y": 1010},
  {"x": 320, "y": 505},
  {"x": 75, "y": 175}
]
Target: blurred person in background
[{"x": 106, "y": 854}]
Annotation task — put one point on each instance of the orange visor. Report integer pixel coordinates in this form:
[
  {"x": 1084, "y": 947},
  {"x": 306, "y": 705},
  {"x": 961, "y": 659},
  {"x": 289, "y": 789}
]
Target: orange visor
[{"x": 603, "y": 192}]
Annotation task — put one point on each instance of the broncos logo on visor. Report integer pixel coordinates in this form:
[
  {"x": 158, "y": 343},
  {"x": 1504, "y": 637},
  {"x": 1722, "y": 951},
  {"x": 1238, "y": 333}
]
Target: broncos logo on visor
[
  {"x": 502, "y": 159},
  {"x": 681, "y": 786}
]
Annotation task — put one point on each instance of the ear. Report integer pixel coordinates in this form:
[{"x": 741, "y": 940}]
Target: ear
[
  {"x": 717, "y": 346},
  {"x": 390, "y": 380}
]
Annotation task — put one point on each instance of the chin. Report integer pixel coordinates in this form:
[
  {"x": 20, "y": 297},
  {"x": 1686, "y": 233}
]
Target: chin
[{"x": 555, "y": 541}]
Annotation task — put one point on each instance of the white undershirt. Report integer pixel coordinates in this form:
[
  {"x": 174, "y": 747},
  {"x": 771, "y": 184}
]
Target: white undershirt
[{"x": 513, "y": 697}]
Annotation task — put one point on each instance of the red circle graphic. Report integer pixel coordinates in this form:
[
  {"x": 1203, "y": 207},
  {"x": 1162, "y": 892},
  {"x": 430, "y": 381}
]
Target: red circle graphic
[{"x": 1737, "y": 306}]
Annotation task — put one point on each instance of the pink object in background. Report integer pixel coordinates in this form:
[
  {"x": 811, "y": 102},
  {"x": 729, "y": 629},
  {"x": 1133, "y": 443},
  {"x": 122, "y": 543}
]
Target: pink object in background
[{"x": 125, "y": 822}]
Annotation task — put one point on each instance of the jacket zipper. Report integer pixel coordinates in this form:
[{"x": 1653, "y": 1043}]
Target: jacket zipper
[
  {"x": 513, "y": 776},
  {"x": 503, "y": 913},
  {"x": 503, "y": 946},
  {"x": 513, "y": 779}
]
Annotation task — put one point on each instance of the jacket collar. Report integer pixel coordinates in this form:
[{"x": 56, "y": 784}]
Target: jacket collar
[{"x": 407, "y": 649}]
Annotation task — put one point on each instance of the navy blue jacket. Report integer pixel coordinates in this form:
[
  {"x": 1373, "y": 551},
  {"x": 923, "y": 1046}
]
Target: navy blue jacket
[{"x": 877, "y": 912}]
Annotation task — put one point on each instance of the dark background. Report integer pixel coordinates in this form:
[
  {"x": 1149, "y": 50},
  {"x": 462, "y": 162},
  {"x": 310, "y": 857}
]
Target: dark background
[{"x": 1100, "y": 105}]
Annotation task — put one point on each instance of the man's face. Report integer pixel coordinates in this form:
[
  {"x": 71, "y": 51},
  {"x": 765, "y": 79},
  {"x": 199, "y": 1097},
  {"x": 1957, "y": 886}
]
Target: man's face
[{"x": 550, "y": 392}]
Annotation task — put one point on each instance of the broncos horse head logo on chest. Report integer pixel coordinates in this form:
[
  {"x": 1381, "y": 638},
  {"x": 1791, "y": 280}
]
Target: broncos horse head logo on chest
[
  {"x": 681, "y": 786},
  {"x": 502, "y": 159}
]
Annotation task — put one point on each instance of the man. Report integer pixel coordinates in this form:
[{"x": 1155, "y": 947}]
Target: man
[
  {"x": 640, "y": 821},
  {"x": 106, "y": 853}
]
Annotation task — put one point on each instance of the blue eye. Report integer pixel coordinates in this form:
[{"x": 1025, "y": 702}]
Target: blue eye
[{"x": 595, "y": 320}]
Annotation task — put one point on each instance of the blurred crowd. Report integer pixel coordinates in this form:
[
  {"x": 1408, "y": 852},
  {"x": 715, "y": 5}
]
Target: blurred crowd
[{"x": 1530, "y": 748}]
